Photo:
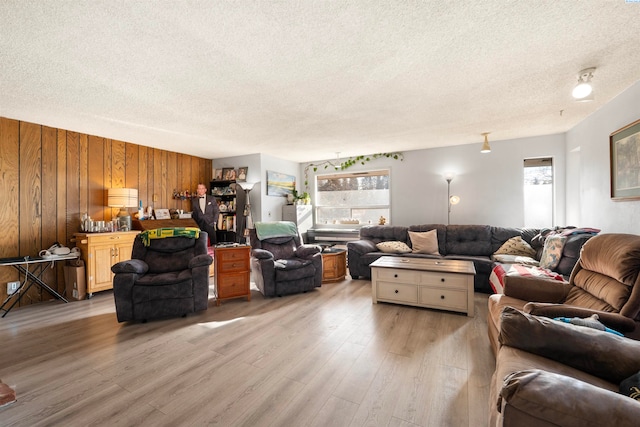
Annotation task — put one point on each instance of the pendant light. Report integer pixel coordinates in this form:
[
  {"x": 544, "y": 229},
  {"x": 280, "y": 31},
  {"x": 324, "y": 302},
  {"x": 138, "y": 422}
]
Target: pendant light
[{"x": 486, "y": 148}]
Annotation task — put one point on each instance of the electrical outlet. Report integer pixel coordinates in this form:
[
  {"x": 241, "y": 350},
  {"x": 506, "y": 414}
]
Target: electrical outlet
[{"x": 12, "y": 287}]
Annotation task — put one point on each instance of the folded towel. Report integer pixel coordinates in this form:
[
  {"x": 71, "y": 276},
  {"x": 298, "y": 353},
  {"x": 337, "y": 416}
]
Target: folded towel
[
  {"x": 161, "y": 233},
  {"x": 267, "y": 230}
]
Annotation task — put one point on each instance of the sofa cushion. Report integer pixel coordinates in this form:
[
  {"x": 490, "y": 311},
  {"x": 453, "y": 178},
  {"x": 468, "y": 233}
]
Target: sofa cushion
[
  {"x": 586, "y": 349},
  {"x": 424, "y": 243},
  {"x": 516, "y": 246},
  {"x": 499, "y": 235},
  {"x": 469, "y": 240},
  {"x": 515, "y": 259},
  {"x": 441, "y": 231},
  {"x": 552, "y": 252},
  {"x": 383, "y": 233},
  {"x": 393, "y": 247}
]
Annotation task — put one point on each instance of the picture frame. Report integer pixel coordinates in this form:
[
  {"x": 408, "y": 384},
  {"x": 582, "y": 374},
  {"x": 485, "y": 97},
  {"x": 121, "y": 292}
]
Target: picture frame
[
  {"x": 217, "y": 176},
  {"x": 228, "y": 174},
  {"x": 242, "y": 173},
  {"x": 280, "y": 184},
  {"x": 162, "y": 214},
  {"x": 624, "y": 149}
]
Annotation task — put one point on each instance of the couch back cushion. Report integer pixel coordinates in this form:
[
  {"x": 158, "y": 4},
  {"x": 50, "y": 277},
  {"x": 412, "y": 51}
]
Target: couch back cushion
[
  {"x": 384, "y": 233},
  {"x": 608, "y": 270},
  {"x": 168, "y": 254},
  {"x": 280, "y": 247},
  {"x": 499, "y": 235},
  {"x": 441, "y": 232},
  {"x": 469, "y": 240}
]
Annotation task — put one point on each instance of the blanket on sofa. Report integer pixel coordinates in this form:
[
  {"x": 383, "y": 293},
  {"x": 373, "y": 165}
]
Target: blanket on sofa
[{"x": 500, "y": 271}]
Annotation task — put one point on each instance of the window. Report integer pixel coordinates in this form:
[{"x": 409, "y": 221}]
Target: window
[
  {"x": 538, "y": 192},
  {"x": 362, "y": 196}
]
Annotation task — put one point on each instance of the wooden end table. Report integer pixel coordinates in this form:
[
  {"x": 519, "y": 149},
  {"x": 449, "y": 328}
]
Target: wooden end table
[{"x": 334, "y": 265}]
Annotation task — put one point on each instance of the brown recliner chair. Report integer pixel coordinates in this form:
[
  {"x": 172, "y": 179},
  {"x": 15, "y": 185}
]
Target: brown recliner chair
[{"x": 605, "y": 281}]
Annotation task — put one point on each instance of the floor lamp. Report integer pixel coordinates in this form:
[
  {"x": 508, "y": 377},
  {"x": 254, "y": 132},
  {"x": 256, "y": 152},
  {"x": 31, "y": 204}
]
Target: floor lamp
[
  {"x": 451, "y": 200},
  {"x": 248, "y": 221}
]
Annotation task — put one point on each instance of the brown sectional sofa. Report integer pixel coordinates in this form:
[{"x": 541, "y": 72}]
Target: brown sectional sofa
[
  {"x": 550, "y": 373},
  {"x": 475, "y": 243}
]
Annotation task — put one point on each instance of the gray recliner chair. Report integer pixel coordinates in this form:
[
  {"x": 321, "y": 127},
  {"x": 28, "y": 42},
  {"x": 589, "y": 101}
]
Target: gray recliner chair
[
  {"x": 281, "y": 264},
  {"x": 169, "y": 277}
]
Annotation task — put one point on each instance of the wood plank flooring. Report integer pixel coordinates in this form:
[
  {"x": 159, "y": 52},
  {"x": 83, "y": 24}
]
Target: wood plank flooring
[{"x": 325, "y": 358}]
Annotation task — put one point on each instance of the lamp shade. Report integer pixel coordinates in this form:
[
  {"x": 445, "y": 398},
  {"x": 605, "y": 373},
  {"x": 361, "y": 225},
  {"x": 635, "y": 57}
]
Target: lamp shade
[
  {"x": 246, "y": 185},
  {"x": 122, "y": 197}
]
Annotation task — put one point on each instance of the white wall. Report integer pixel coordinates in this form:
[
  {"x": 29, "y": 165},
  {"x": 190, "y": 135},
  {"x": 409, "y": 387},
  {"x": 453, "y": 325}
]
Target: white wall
[
  {"x": 263, "y": 207},
  {"x": 490, "y": 185},
  {"x": 588, "y": 169}
]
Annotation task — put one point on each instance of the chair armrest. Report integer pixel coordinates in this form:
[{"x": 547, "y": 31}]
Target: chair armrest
[
  {"x": 307, "y": 251},
  {"x": 131, "y": 266},
  {"x": 535, "y": 289},
  {"x": 201, "y": 260},
  {"x": 614, "y": 321},
  {"x": 361, "y": 247},
  {"x": 261, "y": 254},
  {"x": 560, "y": 400}
]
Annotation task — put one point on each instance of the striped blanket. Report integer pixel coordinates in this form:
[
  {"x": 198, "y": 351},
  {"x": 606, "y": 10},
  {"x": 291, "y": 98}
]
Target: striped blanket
[
  {"x": 500, "y": 271},
  {"x": 161, "y": 233}
]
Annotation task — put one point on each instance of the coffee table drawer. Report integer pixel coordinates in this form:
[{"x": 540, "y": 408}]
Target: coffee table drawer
[
  {"x": 448, "y": 280},
  {"x": 397, "y": 292},
  {"x": 398, "y": 275},
  {"x": 444, "y": 298}
]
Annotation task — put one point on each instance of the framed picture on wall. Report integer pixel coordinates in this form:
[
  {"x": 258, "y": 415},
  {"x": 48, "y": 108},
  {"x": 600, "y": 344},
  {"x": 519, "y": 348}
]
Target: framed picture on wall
[
  {"x": 624, "y": 147},
  {"x": 228, "y": 174},
  {"x": 217, "y": 175},
  {"x": 280, "y": 184},
  {"x": 242, "y": 173}
]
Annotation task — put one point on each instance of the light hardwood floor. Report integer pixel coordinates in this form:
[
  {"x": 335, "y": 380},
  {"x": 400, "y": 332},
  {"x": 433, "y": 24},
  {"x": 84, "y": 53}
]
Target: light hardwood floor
[{"x": 325, "y": 358}]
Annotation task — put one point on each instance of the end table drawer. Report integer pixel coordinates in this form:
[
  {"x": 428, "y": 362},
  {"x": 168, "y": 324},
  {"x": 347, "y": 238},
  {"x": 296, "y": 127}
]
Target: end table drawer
[
  {"x": 232, "y": 285},
  {"x": 397, "y": 292},
  {"x": 233, "y": 265},
  {"x": 445, "y": 298}
]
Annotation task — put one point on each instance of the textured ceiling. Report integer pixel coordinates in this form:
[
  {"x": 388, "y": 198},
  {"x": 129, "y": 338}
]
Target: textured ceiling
[{"x": 302, "y": 80}]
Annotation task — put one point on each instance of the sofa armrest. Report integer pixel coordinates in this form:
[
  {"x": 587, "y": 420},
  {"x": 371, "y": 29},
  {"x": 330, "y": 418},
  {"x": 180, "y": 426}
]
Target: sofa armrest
[
  {"x": 535, "y": 289},
  {"x": 130, "y": 266},
  {"x": 200, "y": 261},
  {"x": 545, "y": 398},
  {"x": 361, "y": 247},
  {"x": 307, "y": 251},
  {"x": 261, "y": 254},
  {"x": 602, "y": 354},
  {"x": 614, "y": 321}
]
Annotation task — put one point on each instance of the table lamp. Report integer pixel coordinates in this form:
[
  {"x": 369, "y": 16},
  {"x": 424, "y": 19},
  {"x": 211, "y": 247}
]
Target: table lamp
[{"x": 123, "y": 198}]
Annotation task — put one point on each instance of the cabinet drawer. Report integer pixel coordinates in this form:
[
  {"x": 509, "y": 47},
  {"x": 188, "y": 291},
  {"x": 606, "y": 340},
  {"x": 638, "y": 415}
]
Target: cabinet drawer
[
  {"x": 231, "y": 285},
  {"x": 399, "y": 275},
  {"x": 232, "y": 255},
  {"x": 397, "y": 292},
  {"x": 446, "y": 280},
  {"x": 445, "y": 298},
  {"x": 233, "y": 265}
]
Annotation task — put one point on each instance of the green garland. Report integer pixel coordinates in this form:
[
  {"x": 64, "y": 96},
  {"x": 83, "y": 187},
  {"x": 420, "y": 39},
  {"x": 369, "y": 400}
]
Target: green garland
[{"x": 347, "y": 163}]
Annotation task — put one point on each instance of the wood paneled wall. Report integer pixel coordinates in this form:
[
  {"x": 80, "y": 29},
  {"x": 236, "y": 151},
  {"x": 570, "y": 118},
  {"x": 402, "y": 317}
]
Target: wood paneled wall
[{"x": 49, "y": 177}]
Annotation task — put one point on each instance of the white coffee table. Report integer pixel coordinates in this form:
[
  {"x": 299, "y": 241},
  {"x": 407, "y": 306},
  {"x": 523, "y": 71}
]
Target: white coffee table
[{"x": 440, "y": 284}]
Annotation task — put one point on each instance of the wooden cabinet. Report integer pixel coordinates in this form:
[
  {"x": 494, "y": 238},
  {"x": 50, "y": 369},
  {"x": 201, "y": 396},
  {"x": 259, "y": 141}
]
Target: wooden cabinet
[
  {"x": 232, "y": 272},
  {"x": 334, "y": 265},
  {"x": 100, "y": 251}
]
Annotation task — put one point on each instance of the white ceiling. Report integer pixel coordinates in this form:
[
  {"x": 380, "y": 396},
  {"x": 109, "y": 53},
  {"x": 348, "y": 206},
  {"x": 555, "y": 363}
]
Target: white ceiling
[{"x": 302, "y": 80}]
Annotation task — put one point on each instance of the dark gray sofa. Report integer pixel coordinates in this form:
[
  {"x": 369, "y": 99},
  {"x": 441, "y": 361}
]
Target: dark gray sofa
[{"x": 461, "y": 242}]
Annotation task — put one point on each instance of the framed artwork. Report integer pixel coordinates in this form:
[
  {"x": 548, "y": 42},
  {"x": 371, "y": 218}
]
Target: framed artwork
[
  {"x": 217, "y": 176},
  {"x": 228, "y": 174},
  {"x": 162, "y": 214},
  {"x": 624, "y": 146},
  {"x": 242, "y": 173},
  {"x": 280, "y": 184}
]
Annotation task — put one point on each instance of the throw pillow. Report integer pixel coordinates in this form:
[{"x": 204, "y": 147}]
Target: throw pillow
[
  {"x": 393, "y": 247},
  {"x": 631, "y": 386},
  {"x": 516, "y": 246},
  {"x": 425, "y": 243},
  {"x": 552, "y": 252},
  {"x": 515, "y": 259}
]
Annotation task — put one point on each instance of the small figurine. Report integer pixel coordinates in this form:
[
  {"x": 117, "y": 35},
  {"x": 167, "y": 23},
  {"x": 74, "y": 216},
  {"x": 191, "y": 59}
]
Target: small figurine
[{"x": 382, "y": 220}]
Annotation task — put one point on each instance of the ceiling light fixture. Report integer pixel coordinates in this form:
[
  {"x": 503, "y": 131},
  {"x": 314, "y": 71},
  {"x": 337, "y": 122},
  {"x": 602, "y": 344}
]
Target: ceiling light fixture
[
  {"x": 486, "y": 148},
  {"x": 583, "y": 89}
]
